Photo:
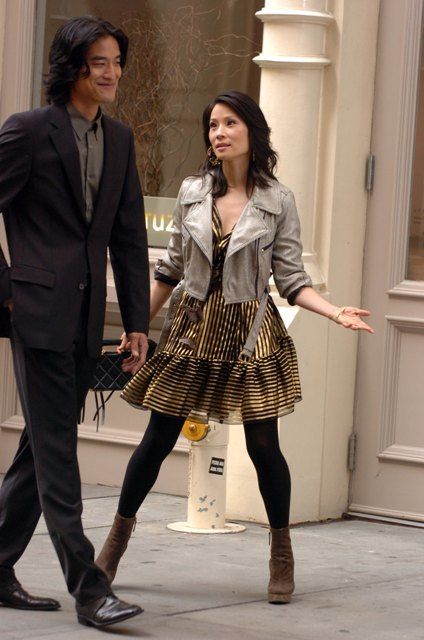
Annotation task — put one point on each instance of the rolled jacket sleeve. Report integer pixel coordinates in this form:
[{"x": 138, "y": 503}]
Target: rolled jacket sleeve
[{"x": 287, "y": 265}]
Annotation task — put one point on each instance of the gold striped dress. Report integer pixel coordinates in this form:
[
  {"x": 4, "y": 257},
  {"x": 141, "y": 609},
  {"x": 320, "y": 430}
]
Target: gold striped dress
[{"x": 199, "y": 367}]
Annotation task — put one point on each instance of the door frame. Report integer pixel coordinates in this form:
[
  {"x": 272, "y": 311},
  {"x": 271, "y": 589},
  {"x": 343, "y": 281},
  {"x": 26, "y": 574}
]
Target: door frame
[{"x": 396, "y": 290}]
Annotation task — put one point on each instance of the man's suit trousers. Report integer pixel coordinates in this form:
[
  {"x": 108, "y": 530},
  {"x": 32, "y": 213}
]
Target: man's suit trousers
[{"x": 44, "y": 476}]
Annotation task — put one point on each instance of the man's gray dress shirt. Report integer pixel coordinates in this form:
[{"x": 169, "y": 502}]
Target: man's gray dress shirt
[{"x": 90, "y": 143}]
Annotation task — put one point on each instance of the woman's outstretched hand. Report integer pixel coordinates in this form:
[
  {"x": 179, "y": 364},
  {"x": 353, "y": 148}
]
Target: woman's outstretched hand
[{"x": 351, "y": 318}]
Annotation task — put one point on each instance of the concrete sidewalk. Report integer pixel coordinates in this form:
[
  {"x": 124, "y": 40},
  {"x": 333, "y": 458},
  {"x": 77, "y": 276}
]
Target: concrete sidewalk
[{"x": 355, "y": 580}]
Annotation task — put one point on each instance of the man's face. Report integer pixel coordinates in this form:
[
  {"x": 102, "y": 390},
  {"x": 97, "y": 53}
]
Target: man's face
[{"x": 104, "y": 62}]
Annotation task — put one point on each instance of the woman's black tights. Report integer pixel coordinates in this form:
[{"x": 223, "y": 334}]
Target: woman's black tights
[
  {"x": 143, "y": 468},
  {"x": 273, "y": 473},
  {"x": 159, "y": 440}
]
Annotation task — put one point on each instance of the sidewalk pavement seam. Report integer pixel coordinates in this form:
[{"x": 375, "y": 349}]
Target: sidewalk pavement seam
[
  {"x": 220, "y": 606},
  {"x": 298, "y": 594}
]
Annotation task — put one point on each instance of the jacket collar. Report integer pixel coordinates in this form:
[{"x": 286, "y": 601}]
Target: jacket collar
[
  {"x": 249, "y": 227},
  {"x": 113, "y": 168},
  {"x": 80, "y": 124},
  {"x": 63, "y": 139},
  {"x": 268, "y": 199}
]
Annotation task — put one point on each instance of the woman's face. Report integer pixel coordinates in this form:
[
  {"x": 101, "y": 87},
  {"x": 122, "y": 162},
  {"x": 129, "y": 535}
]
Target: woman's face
[{"x": 228, "y": 134}]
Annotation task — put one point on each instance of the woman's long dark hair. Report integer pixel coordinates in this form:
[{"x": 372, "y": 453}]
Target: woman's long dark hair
[
  {"x": 68, "y": 53},
  {"x": 263, "y": 158}
]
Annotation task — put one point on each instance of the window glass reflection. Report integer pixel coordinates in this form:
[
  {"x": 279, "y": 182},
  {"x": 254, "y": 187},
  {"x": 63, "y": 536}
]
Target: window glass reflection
[
  {"x": 182, "y": 53},
  {"x": 416, "y": 230}
]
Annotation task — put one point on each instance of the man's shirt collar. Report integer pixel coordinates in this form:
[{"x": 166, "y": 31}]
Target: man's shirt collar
[{"x": 80, "y": 124}]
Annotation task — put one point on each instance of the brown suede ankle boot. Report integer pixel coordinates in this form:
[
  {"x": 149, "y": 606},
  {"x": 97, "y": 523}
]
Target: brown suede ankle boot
[
  {"x": 281, "y": 566},
  {"x": 115, "y": 545}
]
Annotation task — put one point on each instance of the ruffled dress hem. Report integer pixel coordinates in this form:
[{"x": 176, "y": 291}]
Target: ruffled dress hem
[{"x": 229, "y": 391}]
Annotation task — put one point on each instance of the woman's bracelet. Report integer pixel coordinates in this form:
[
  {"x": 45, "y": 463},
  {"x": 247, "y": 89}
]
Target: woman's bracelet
[{"x": 336, "y": 315}]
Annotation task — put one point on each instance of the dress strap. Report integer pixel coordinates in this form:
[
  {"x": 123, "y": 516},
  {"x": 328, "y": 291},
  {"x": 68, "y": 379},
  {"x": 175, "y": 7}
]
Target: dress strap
[{"x": 252, "y": 337}]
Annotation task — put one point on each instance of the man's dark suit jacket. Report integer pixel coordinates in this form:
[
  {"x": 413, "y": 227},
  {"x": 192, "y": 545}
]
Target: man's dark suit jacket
[{"x": 54, "y": 253}]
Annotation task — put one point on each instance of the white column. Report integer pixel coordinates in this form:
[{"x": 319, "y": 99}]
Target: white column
[
  {"x": 292, "y": 62},
  {"x": 317, "y": 75}
]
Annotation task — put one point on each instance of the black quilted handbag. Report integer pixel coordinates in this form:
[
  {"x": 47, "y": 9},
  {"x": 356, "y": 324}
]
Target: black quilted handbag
[{"x": 108, "y": 375}]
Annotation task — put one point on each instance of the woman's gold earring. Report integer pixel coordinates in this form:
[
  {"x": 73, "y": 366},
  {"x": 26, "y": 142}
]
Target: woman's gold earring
[
  {"x": 253, "y": 156},
  {"x": 213, "y": 160}
]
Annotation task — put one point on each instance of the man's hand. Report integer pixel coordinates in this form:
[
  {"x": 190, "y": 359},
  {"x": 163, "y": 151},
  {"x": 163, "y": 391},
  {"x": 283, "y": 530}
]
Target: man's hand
[
  {"x": 138, "y": 345},
  {"x": 9, "y": 305}
]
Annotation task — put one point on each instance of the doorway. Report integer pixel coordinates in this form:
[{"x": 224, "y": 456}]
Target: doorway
[{"x": 388, "y": 479}]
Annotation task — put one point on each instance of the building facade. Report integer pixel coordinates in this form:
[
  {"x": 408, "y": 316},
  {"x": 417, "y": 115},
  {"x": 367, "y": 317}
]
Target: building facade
[{"x": 341, "y": 84}]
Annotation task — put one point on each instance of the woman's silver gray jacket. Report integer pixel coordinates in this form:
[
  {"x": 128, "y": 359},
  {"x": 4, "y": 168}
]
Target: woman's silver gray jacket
[{"x": 266, "y": 238}]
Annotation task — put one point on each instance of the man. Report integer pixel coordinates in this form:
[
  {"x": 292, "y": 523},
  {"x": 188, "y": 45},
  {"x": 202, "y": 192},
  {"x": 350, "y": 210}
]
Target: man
[{"x": 68, "y": 190}]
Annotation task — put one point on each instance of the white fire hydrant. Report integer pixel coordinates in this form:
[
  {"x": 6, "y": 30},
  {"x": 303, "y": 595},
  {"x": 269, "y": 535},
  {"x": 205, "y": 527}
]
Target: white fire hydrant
[{"x": 207, "y": 482}]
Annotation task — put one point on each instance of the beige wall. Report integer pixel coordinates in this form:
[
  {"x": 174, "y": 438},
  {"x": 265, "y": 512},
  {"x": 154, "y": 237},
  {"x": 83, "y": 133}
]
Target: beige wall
[
  {"x": 5, "y": 364},
  {"x": 324, "y": 164},
  {"x": 2, "y": 25}
]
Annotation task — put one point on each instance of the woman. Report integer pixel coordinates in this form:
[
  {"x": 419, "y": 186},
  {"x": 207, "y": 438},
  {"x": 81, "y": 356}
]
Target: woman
[{"x": 224, "y": 348}]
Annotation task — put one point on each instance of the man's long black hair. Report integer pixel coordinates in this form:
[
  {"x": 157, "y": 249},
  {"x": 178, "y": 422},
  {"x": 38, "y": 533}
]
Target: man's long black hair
[{"x": 68, "y": 53}]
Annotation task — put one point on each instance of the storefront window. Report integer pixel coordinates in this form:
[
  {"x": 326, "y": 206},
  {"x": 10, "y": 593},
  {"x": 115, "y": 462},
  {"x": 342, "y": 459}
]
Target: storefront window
[
  {"x": 416, "y": 230},
  {"x": 182, "y": 53}
]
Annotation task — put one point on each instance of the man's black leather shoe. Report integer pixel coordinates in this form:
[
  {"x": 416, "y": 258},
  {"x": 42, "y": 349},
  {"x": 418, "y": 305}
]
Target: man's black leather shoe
[
  {"x": 13, "y": 595},
  {"x": 106, "y": 610}
]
